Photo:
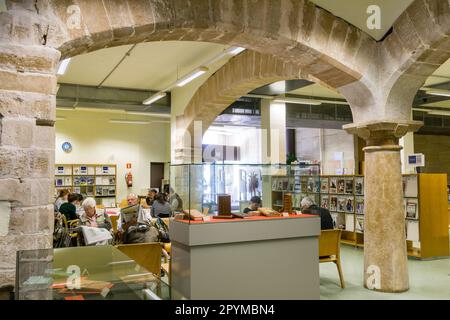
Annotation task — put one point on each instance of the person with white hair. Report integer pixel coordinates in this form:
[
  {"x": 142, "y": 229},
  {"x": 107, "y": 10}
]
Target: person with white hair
[
  {"x": 93, "y": 217},
  {"x": 309, "y": 207}
]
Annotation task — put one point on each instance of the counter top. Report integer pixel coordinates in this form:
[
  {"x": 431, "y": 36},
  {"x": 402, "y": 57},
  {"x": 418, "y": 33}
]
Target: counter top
[{"x": 247, "y": 219}]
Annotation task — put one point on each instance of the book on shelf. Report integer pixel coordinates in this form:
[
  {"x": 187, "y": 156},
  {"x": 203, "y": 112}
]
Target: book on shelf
[
  {"x": 340, "y": 185},
  {"x": 333, "y": 185},
  {"x": 59, "y": 182},
  {"x": 359, "y": 203},
  {"x": 359, "y": 226},
  {"x": 324, "y": 201},
  {"x": 324, "y": 185},
  {"x": 333, "y": 203},
  {"x": 349, "y": 204},
  {"x": 349, "y": 222},
  {"x": 410, "y": 186},
  {"x": 359, "y": 185},
  {"x": 412, "y": 230},
  {"x": 412, "y": 208},
  {"x": 349, "y": 185},
  {"x": 310, "y": 185},
  {"x": 341, "y": 204},
  {"x": 340, "y": 221}
]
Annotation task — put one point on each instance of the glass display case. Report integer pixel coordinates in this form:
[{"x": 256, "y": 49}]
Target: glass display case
[
  {"x": 86, "y": 273},
  {"x": 201, "y": 186}
]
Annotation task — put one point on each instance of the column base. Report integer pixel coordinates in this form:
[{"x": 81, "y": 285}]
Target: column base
[{"x": 387, "y": 290}]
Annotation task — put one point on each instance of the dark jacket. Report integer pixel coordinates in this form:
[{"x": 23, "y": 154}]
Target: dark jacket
[
  {"x": 326, "y": 221},
  {"x": 69, "y": 210}
]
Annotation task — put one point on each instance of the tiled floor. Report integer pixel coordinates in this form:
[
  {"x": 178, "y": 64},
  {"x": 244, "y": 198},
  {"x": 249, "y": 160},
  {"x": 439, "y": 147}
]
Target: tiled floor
[{"x": 428, "y": 279}]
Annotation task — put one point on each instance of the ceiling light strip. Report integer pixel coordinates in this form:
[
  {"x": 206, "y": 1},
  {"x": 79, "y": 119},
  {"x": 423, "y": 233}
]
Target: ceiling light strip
[
  {"x": 63, "y": 66},
  {"x": 231, "y": 51}
]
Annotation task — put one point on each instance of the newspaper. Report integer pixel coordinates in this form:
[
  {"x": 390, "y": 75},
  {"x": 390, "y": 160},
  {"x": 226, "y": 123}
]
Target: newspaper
[{"x": 94, "y": 235}]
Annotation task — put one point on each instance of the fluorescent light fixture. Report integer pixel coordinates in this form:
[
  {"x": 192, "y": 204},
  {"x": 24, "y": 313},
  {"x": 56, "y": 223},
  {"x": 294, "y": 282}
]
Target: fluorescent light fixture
[
  {"x": 128, "y": 121},
  {"x": 63, "y": 66},
  {"x": 60, "y": 118},
  {"x": 234, "y": 50},
  {"x": 191, "y": 76},
  {"x": 439, "y": 112},
  {"x": 298, "y": 101},
  {"x": 65, "y": 108},
  {"x": 422, "y": 110},
  {"x": 100, "y": 110},
  {"x": 149, "y": 114},
  {"x": 439, "y": 93},
  {"x": 154, "y": 98}
]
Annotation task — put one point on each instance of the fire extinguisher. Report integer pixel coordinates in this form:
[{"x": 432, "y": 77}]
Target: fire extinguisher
[{"x": 129, "y": 179}]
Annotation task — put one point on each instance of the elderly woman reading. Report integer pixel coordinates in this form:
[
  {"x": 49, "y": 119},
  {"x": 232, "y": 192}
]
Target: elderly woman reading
[{"x": 93, "y": 217}]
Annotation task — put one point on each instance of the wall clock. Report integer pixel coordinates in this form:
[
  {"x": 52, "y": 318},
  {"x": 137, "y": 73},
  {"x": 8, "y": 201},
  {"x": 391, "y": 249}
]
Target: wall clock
[{"x": 67, "y": 147}]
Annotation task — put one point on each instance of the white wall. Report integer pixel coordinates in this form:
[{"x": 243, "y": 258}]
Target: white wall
[{"x": 95, "y": 140}]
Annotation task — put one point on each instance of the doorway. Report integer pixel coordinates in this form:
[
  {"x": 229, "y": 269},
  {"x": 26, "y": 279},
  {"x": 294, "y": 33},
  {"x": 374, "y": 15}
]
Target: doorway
[{"x": 156, "y": 175}]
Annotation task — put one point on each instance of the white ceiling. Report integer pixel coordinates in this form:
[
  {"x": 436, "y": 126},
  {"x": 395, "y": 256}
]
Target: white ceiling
[
  {"x": 355, "y": 12},
  {"x": 150, "y": 66}
]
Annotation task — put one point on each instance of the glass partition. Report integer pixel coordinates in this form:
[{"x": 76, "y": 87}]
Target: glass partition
[
  {"x": 205, "y": 189},
  {"x": 86, "y": 273}
]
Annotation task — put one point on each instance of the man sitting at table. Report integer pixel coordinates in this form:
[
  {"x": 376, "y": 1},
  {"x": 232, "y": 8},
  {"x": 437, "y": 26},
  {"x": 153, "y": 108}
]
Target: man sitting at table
[
  {"x": 308, "y": 206},
  {"x": 255, "y": 204}
]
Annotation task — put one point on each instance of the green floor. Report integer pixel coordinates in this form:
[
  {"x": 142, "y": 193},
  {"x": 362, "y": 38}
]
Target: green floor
[{"x": 427, "y": 279}]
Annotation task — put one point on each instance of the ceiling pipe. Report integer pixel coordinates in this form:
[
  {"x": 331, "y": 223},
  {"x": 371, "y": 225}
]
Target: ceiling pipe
[{"x": 127, "y": 54}]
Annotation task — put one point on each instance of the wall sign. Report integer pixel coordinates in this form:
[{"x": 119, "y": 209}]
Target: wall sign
[{"x": 67, "y": 147}]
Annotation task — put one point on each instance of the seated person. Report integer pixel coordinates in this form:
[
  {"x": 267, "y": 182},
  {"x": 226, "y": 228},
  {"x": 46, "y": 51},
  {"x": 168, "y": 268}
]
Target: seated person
[
  {"x": 69, "y": 209},
  {"x": 93, "y": 217},
  {"x": 161, "y": 208},
  {"x": 62, "y": 198},
  {"x": 255, "y": 204},
  {"x": 132, "y": 200},
  {"x": 135, "y": 232},
  {"x": 175, "y": 201},
  {"x": 151, "y": 196},
  {"x": 79, "y": 207},
  {"x": 308, "y": 206}
]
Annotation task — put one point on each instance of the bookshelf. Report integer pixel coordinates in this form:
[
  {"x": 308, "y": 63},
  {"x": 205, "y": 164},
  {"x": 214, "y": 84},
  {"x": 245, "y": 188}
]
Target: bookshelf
[
  {"x": 424, "y": 200},
  {"x": 91, "y": 180}
]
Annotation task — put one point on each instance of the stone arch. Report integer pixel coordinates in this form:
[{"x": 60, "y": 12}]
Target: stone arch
[
  {"x": 238, "y": 77},
  {"x": 296, "y": 31},
  {"x": 418, "y": 44}
]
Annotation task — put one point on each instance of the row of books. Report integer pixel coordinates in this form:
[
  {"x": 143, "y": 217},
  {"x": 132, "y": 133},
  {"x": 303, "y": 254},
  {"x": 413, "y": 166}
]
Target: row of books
[
  {"x": 84, "y": 170},
  {"x": 355, "y": 223},
  {"x": 105, "y": 191},
  {"x": 332, "y": 185},
  {"x": 336, "y": 185}
]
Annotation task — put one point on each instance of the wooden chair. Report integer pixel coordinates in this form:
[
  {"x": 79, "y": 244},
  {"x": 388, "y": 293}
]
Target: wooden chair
[
  {"x": 114, "y": 222},
  {"x": 329, "y": 250},
  {"x": 123, "y": 204},
  {"x": 147, "y": 255}
]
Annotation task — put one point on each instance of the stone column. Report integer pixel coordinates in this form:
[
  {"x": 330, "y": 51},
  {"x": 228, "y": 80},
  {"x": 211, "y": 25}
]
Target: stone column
[
  {"x": 385, "y": 256},
  {"x": 27, "y": 135}
]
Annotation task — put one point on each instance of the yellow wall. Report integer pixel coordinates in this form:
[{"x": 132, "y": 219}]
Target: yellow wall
[{"x": 95, "y": 140}]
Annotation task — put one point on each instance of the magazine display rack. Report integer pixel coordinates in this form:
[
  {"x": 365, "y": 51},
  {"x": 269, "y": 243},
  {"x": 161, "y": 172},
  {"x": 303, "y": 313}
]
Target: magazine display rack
[
  {"x": 91, "y": 180},
  {"x": 424, "y": 201}
]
